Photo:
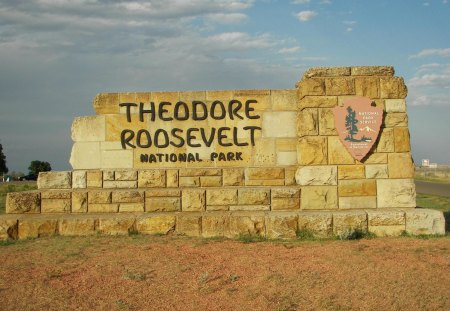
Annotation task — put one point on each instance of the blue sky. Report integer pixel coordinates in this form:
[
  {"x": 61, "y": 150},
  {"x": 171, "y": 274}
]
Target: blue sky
[{"x": 55, "y": 55}]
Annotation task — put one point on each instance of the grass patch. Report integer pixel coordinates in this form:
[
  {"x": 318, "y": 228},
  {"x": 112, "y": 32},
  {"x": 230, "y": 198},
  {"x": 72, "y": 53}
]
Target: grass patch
[
  {"x": 355, "y": 234},
  {"x": 6, "y": 188},
  {"x": 433, "y": 202},
  {"x": 250, "y": 238},
  {"x": 432, "y": 178}
]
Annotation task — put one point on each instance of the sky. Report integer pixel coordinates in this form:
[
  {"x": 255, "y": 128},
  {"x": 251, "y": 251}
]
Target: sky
[{"x": 56, "y": 55}]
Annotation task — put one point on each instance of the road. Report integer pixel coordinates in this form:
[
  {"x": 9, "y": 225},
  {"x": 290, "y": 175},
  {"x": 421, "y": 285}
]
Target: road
[{"x": 433, "y": 188}]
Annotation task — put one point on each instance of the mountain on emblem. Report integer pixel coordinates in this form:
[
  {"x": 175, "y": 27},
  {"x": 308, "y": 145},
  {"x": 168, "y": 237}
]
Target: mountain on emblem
[{"x": 358, "y": 124}]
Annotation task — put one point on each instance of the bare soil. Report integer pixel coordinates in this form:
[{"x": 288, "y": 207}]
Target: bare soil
[{"x": 177, "y": 273}]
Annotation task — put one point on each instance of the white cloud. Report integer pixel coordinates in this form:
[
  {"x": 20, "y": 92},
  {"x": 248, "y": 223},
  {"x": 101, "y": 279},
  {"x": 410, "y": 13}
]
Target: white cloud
[
  {"x": 305, "y": 16},
  {"x": 230, "y": 18},
  {"x": 294, "y": 49},
  {"x": 300, "y": 1},
  {"x": 430, "y": 85},
  {"x": 432, "y": 52}
]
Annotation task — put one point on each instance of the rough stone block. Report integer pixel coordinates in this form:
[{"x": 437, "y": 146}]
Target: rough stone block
[
  {"x": 79, "y": 179},
  {"x": 233, "y": 177},
  {"x": 425, "y": 221},
  {"x": 189, "y": 225},
  {"x": 162, "y": 204},
  {"x": 23, "y": 202},
  {"x": 85, "y": 155},
  {"x": 172, "y": 178},
  {"x": 193, "y": 200},
  {"x": 376, "y": 171},
  {"x": 279, "y": 124},
  {"x": 326, "y": 122},
  {"x": 365, "y": 202},
  {"x": 281, "y": 225},
  {"x": 307, "y": 122},
  {"x": 162, "y": 193},
  {"x": 337, "y": 153},
  {"x": 108, "y": 175},
  {"x": 372, "y": 71},
  {"x": 340, "y": 86},
  {"x": 125, "y": 175},
  {"x": 401, "y": 139},
  {"x": 160, "y": 224},
  {"x": 131, "y": 207},
  {"x": 312, "y": 150},
  {"x": 247, "y": 225},
  {"x": 327, "y": 72},
  {"x": 129, "y": 196},
  {"x": 79, "y": 202},
  {"x": 253, "y": 207},
  {"x": 318, "y": 102},
  {"x": 325, "y": 175},
  {"x": 215, "y": 226},
  {"x": 94, "y": 179},
  {"x": 285, "y": 192},
  {"x": 56, "y": 205},
  {"x": 318, "y": 223},
  {"x": 346, "y": 222},
  {"x": 285, "y": 204},
  {"x": 116, "y": 225},
  {"x": 99, "y": 196},
  {"x": 54, "y": 180},
  {"x": 396, "y": 193},
  {"x": 386, "y": 140},
  {"x": 210, "y": 181},
  {"x": 357, "y": 187},
  {"x": 386, "y": 222},
  {"x": 189, "y": 181},
  {"x": 263, "y": 173},
  {"x": 319, "y": 197},
  {"x": 8, "y": 229},
  {"x": 312, "y": 86},
  {"x": 285, "y": 158},
  {"x": 55, "y": 194},
  {"x": 90, "y": 128},
  {"x": 351, "y": 171},
  {"x": 106, "y": 103},
  {"x": 284, "y": 100},
  {"x": 151, "y": 178},
  {"x": 262, "y": 182},
  {"x": 395, "y": 119},
  {"x": 120, "y": 184},
  {"x": 395, "y": 105},
  {"x": 393, "y": 87},
  {"x": 37, "y": 227},
  {"x": 221, "y": 196},
  {"x": 400, "y": 165},
  {"x": 103, "y": 208},
  {"x": 77, "y": 226},
  {"x": 367, "y": 87},
  {"x": 200, "y": 172},
  {"x": 289, "y": 176}
]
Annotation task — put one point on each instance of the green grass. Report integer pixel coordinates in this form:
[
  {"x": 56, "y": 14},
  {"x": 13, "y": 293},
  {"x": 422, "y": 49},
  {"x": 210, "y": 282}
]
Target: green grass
[
  {"x": 6, "y": 188},
  {"x": 433, "y": 202},
  {"x": 431, "y": 178}
]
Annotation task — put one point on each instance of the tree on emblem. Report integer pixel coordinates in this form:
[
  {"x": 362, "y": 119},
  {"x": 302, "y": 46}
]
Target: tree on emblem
[{"x": 350, "y": 124}]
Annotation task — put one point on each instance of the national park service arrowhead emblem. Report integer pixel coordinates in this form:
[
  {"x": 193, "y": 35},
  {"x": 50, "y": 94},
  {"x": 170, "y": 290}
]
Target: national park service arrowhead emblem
[{"x": 358, "y": 124}]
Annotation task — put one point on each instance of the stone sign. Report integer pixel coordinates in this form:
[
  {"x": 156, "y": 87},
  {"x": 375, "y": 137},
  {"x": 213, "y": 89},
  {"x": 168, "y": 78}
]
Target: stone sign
[{"x": 330, "y": 157}]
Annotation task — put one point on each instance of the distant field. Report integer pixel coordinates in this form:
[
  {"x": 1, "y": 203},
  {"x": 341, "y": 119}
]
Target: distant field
[
  {"x": 13, "y": 187},
  {"x": 441, "y": 175}
]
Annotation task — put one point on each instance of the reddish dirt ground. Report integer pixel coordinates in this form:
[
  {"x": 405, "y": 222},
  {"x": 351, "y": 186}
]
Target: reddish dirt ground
[{"x": 175, "y": 273}]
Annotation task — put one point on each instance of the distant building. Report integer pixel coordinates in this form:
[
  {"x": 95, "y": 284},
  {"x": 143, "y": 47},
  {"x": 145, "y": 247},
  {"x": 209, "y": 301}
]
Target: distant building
[
  {"x": 433, "y": 165},
  {"x": 425, "y": 162}
]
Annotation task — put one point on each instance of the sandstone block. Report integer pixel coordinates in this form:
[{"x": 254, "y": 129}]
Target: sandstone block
[
  {"x": 285, "y": 192},
  {"x": 172, "y": 178},
  {"x": 116, "y": 225},
  {"x": 279, "y": 124},
  {"x": 395, "y": 105},
  {"x": 54, "y": 180},
  {"x": 103, "y": 208},
  {"x": 312, "y": 150},
  {"x": 281, "y": 225},
  {"x": 94, "y": 179},
  {"x": 319, "y": 197},
  {"x": 351, "y": 171},
  {"x": 367, "y": 87},
  {"x": 8, "y": 229},
  {"x": 386, "y": 140},
  {"x": 108, "y": 175},
  {"x": 263, "y": 173},
  {"x": 357, "y": 187},
  {"x": 250, "y": 196},
  {"x": 85, "y": 155},
  {"x": 193, "y": 200},
  {"x": 120, "y": 184},
  {"x": 161, "y": 224},
  {"x": 393, "y": 87},
  {"x": 112, "y": 159},
  {"x": 284, "y": 100},
  {"x": 131, "y": 207},
  {"x": 320, "y": 175},
  {"x": 162, "y": 204},
  {"x": 56, "y": 205},
  {"x": 372, "y": 71},
  {"x": 215, "y": 226},
  {"x": 317, "y": 102},
  {"x": 79, "y": 202},
  {"x": 23, "y": 202},
  {"x": 129, "y": 196},
  {"x": 375, "y": 158},
  {"x": 327, "y": 72},
  {"x": 55, "y": 194},
  {"x": 285, "y": 158},
  {"x": 307, "y": 122},
  {"x": 425, "y": 221},
  {"x": 396, "y": 193},
  {"x": 221, "y": 196},
  {"x": 251, "y": 225},
  {"x": 37, "y": 227},
  {"x": 189, "y": 225},
  {"x": 319, "y": 223},
  {"x": 401, "y": 139},
  {"x": 365, "y": 202},
  {"x": 99, "y": 196},
  {"x": 253, "y": 207},
  {"x": 76, "y": 226},
  {"x": 152, "y": 178},
  {"x": 395, "y": 119},
  {"x": 346, "y": 222},
  {"x": 312, "y": 86},
  {"x": 189, "y": 181},
  {"x": 125, "y": 175},
  {"x": 233, "y": 177},
  {"x": 162, "y": 193},
  {"x": 289, "y": 176},
  {"x": 79, "y": 179},
  {"x": 106, "y": 103},
  {"x": 340, "y": 86},
  {"x": 326, "y": 122},
  {"x": 200, "y": 172},
  {"x": 337, "y": 153},
  {"x": 90, "y": 128},
  {"x": 285, "y": 204},
  {"x": 400, "y": 165},
  {"x": 386, "y": 218},
  {"x": 262, "y": 182},
  {"x": 376, "y": 171}
]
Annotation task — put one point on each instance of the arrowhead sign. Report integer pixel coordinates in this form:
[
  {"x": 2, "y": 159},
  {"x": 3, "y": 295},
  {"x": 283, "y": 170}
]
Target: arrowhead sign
[{"x": 358, "y": 124}]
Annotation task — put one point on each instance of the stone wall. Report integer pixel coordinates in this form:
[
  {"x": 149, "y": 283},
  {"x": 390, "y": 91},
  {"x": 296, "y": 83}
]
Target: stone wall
[{"x": 288, "y": 173}]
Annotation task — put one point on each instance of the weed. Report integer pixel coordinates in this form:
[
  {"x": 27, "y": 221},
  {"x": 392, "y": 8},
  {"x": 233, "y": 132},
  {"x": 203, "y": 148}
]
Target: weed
[
  {"x": 8, "y": 242},
  {"x": 233, "y": 277},
  {"x": 250, "y": 238},
  {"x": 203, "y": 278},
  {"x": 355, "y": 234},
  {"x": 134, "y": 275},
  {"x": 132, "y": 232},
  {"x": 123, "y": 305},
  {"x": 305, "y": 234},
  {"x": 54, "y": 274}
]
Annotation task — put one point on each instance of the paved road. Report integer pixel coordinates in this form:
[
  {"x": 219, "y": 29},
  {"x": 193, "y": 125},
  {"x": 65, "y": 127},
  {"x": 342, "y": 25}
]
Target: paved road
[{"x": 433, "y": 188}]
